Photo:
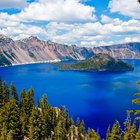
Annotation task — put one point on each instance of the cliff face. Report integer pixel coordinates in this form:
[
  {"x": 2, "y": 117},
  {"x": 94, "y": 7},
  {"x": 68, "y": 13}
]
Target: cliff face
[
  {"x": 33, "y": 49},
  {"x": 122, "y": 51}
]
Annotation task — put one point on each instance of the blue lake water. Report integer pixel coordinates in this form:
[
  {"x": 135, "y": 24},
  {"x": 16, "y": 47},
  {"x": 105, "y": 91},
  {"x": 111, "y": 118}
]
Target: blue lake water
[{"x": 97, "y": 98}]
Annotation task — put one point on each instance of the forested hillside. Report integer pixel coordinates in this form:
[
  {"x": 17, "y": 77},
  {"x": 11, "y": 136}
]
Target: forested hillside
[{"x": 21, "y": 119}]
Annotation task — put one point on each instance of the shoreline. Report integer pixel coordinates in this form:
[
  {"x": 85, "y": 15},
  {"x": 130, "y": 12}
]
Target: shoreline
[{"x": 30, "y": 63}]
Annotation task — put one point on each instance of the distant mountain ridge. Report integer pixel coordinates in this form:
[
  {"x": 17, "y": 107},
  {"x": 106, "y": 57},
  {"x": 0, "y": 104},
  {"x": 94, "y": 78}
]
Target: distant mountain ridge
[{"x": 32, "y": 50}]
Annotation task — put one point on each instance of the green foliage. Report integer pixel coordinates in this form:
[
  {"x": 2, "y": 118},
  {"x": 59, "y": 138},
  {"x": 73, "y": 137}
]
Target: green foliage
[
  {"x": 60, "y": 131},
  {"x": 136, "y": 101},
  {"x": 108, "y": 134},
  {"x": 1, "y": 93},
  {"x": 10, "y": 126},
  {"x": 6, "y": 93},
  {"x": 100, "y": 62},
  {"x": 116, "y": 132},
  {"x": 92, "y": 135},
  {"x": 37, "y": 129},
  {"x": 14, "y": 92},
  {"x": 130, "y": 134},
  {"x": 138, "y": 134},
  {"x": 23, "y": 120}
]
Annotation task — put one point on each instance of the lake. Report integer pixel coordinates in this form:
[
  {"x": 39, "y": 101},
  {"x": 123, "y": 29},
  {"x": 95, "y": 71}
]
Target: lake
[{"x": 99, "y": 98}]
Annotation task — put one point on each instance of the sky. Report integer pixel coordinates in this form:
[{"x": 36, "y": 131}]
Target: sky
[{"x": 88, "y": 23}]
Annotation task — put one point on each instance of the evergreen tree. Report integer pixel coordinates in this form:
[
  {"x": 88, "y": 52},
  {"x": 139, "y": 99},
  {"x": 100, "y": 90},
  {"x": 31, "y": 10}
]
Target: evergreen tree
[
  {"x": 23, "y": 116},
  {"x": 22, "y": 98},
  {"x": 138, "y": 134},
  {"x": 29, "y": 101},
  {"x": 1, "y": 93},
  {"x": 37, "y": 129},
  {"x": 81, "y": 130},
  {"x": 78, "y": 122},
  {"x": 10, "y": 127},
  {"x": 14, "y": 92},
  {"x": 6, "y": 92},
  {"x": 43, "y": 104},
  {"x": 49, "y": 114},
  {"x": 130, "y": 134},
  {"x": 92, "y": 135},
  {"x": 108, "y": 134},
  {"x": 65, "y": 113},
  {"x": 116, "y": 133},
  {"x": 60, "y": 131},
  {"x": 137, "y": 102}
]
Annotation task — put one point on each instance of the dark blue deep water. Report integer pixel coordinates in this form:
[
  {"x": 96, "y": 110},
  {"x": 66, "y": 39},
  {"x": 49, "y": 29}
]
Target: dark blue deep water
[{"x": 97, "y": 98}]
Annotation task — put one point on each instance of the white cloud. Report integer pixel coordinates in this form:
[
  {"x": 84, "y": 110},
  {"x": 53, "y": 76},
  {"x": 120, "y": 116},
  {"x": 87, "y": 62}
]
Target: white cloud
[
  {"x": 19, "y": 4},
  {"x": 68, "y": 21},
  {"x": 132, "y": 39},
  {"x": 92, "y": 34},
  {"x": 89, "y": 34},
  {"x": 107, "y": 19},
  {"x": 129, "y": 8},
  {"x": 22, "y": 31},
  {"x": 58, "y": 10}
]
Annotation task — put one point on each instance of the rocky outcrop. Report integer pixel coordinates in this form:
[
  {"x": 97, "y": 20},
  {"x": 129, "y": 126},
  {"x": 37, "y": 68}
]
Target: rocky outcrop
[
  {"x": 121, "y": 51},
  {"x": 32, "y": 49}
]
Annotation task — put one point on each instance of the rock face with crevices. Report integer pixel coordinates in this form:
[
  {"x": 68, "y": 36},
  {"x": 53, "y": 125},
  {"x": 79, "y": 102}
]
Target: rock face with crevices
[
  {"x": 121, "y": 51},
  {"x": 32, "y": 50}
]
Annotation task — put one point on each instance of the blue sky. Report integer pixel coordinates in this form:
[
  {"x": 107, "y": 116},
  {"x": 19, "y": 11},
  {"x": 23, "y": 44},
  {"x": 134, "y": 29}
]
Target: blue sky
[{"x": 87, "y": 23}]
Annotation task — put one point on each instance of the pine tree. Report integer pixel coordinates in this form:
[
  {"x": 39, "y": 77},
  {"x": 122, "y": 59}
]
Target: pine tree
[
  {"x": 22, "y": 98},
  {"x": 1, "y": 93},
  {"x": 14, "y": 92},
  {"x": 29, "y": 101},
  {"x": 26, "y": 104},
  {"x": 23, "y": 116},
  {"x": 108, "y": 134},
  {"x": 81, "y": 130},
  {"x": 43, "y": 104},
  {"x": 116, "y": 133},
  {"x": 6, "y": 93},
  {"x": 65, "y": 113},
  {"x": 37, "y": 129},
  {"x": 130, "y": 134},
  {"x": 138, "y": 134},
  {"x": 49, "y": 114},
  {"x": 137, "y": 102},
  {"x": 60, "y": 131},
  {"x": 10, "y": 127},
  {"x": 78, "y": 122},
  {"x": 92, "y": 135}
]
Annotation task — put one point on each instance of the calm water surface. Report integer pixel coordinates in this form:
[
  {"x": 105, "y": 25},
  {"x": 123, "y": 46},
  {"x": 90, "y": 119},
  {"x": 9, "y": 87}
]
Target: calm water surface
[{"x": 98, "y": 98}]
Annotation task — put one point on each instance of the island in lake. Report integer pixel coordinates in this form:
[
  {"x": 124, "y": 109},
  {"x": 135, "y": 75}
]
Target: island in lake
[{"x": 99, "y": 62}]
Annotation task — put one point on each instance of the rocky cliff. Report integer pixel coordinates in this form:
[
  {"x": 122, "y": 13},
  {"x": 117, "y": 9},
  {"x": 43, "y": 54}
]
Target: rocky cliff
[
  {"x": 122, "y": 51},
  {"x": 32, "y": 50}
]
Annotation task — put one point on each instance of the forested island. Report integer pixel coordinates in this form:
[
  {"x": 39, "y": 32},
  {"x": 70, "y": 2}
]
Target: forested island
[
  {"x": 22, "y": 119},
  {"x": 100, "y": 62}
]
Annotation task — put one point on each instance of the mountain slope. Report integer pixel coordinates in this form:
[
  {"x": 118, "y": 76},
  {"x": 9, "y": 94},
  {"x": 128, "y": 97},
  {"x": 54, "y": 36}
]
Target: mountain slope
[
  {"x": 100, "y": 62},
  {"x": 122, "y": 51},
  {"x": 32, "y": 50}
]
